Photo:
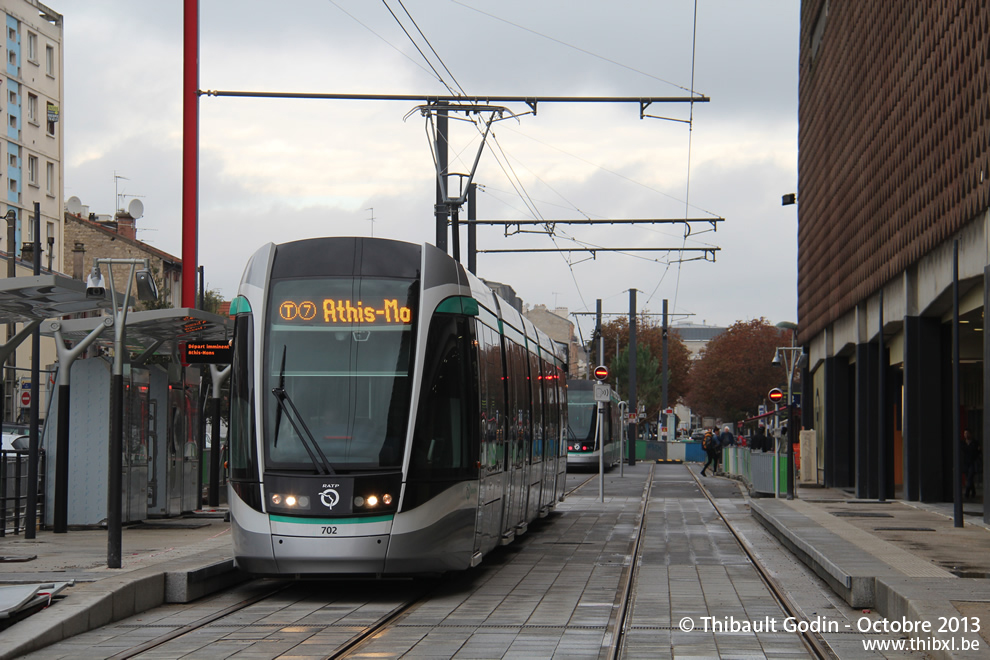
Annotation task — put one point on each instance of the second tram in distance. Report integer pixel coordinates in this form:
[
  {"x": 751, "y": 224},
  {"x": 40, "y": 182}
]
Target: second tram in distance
[
  {"x": 389, "y": 413},
  {"x": 583, "y": 444}
]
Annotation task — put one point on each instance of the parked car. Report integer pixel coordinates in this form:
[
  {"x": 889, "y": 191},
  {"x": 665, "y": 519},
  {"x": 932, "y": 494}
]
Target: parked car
[{"x": 14, "y": 441}]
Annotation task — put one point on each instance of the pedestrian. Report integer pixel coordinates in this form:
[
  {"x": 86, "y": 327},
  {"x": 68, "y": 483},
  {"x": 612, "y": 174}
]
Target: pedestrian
[
  {"x": 971, "y": 462},
  {"x": 760, "y": 441},
  {"x": 725, "y": 440},
  {"x": 710, "y": 444}
]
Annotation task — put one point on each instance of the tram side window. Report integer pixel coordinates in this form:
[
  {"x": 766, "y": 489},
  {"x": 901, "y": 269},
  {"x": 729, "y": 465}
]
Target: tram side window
[
  {"x": 445, "y": 444},
  {"x": 492, "y": 394},
  {"x": 536, "y": 386},
  {"x": 243, "y": 452}
]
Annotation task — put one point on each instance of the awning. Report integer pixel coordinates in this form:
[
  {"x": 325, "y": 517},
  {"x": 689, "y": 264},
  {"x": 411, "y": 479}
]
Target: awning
[
  {"x": 160, "y": 329},
  {"x": 40, "y": 297}
]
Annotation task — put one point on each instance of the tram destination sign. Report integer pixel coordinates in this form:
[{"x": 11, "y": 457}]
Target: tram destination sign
[{"x": 206, "y": 352}]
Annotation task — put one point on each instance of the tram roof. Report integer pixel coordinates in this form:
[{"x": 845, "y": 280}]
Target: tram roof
[
  {"x": 164, "y": 327},
  {"x": 40, "y": 297}
]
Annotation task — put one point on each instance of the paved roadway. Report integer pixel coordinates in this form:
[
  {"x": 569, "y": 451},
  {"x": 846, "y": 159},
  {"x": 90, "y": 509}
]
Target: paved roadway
[{"x": 553, "y": 593}]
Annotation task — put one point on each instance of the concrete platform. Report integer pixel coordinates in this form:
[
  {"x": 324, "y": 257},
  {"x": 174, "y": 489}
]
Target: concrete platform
[
  {"x": 902, "y": 559},
  {"x": 899, "y": 559}
]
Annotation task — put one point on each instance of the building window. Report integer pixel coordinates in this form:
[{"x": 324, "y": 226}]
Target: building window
[
  {"x": 50, "y": 60},
  {"x": 32, "y": 47},
  {"x": 33, "y": 170},
  {"x": 12, "y": 159},
  {"x": 52, "y": 116},
  {"x": 13, "y": 185},
  {"x": 13, "y": 121},
  {"x": 50, "y": 179},
  {"x": 32, "y": 108},
  {"x": 12, "y": 57},
  {"x": 12, "y": 35}
]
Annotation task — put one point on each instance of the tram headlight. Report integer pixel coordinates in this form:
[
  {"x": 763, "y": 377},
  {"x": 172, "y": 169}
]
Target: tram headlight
[
  {"x": 371, "y": 501},
  {"x": 296, "y": 502}
]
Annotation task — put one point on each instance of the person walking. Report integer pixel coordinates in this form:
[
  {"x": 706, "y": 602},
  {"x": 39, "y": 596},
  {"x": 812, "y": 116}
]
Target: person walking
[
  {"x": 711, "y": 446},
  {"x": 971, "y": 462},
  {"x": 725, "y": 440}
]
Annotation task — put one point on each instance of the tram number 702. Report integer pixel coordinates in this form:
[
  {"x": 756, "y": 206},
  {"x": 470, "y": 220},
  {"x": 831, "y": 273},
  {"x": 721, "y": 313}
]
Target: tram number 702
[{"x": 329, "y": 529}]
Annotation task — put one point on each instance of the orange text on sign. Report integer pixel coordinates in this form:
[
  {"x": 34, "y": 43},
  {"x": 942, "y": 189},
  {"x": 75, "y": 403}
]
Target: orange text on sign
[{"x": 346, "y": 311}]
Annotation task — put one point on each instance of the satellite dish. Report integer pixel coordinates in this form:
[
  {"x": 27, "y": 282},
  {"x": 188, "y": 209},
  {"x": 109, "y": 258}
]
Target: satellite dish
[
  {"x": 135, "y": 208},
  {"x": 74, "y": 205}
]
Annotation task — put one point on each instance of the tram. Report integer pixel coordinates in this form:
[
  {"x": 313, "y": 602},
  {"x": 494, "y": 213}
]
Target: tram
[
  {"x": 583, "y": 442},
  {"x": 389, "y": 413}
]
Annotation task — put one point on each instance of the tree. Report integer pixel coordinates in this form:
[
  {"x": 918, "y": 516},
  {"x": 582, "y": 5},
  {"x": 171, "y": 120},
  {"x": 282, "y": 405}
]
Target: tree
[
  {"x": 648, "y": 378},
  {"x": 649, "y": 340},
  {"x": 212, "y": 300},
  {"x": 734, "y": 373}
]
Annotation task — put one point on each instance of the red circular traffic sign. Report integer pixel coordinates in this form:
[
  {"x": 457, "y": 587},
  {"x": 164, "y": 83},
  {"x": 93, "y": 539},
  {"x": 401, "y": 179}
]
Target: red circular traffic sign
[
  {"x": 775, "y": 395},
  {"x": 601, "y": 373},
  {"x": 25, "y": 398}
]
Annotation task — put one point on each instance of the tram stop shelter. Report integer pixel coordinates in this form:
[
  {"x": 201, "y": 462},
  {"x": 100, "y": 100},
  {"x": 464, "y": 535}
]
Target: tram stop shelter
[
  {"x": 163, "y": 438},
  {"x": 29, "y": 300}
]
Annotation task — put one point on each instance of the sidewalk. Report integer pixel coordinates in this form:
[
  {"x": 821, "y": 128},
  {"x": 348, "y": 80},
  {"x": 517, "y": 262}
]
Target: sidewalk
[
  {"x": 163, "y": 561},
  {"x": 904, "y": 560}
]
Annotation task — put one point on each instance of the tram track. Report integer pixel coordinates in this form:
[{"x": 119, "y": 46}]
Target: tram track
[
  {"x": 612, "y": 651},
  {"x": 815, "y": 644}
]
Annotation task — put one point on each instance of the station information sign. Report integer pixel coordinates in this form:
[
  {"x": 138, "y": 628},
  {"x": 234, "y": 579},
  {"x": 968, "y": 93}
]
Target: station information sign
[{"x": 206, "y": 352}]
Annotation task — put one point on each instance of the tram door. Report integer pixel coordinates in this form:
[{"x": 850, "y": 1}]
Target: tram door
[{"x": 492, "y": 486}]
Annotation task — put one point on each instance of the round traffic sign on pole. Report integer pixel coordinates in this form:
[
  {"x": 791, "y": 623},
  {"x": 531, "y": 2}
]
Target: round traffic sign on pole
[
  {"x": 601, "y": 372},
  {"x": 25, "y": 399},
  {"x": 775, "y": 395}
]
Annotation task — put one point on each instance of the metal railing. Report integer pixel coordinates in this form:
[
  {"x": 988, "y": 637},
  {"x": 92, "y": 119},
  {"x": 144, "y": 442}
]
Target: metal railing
[{"x": 14, "y": 490}]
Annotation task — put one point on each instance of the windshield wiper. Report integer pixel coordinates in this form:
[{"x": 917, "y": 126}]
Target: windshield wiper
[{"x": 285, "y": 404}]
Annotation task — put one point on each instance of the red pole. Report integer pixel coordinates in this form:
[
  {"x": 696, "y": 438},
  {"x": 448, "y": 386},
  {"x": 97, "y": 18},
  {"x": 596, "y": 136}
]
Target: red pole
[{"x": 190, "y": 151}]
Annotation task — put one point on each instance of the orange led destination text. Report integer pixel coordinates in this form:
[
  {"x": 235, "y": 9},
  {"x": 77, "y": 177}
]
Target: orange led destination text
[{"x": 344, "y": 311}]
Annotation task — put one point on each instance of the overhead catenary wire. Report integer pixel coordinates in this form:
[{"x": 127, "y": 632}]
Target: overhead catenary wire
[{"x": 420, "y": 50}]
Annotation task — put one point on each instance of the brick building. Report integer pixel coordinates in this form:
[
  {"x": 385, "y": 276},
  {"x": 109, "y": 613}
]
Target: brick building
[
  {"x": 88, "y": 239},
  {"x": 894, "y": 181}
]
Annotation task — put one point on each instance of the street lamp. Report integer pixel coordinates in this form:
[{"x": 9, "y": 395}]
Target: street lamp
[
  {"x": 146, "y": 291},
  {"x": 792, "y": 358}
]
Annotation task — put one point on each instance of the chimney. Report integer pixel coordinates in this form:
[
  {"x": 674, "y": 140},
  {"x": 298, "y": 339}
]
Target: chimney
[
  {"x": 125, "y": 225},
  {"x": 78, "y": 259},
  {"x": 27, "y": 252}
]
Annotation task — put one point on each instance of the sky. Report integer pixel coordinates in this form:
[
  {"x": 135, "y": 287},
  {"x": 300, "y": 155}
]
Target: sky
[{"x": 277, "y": 170}]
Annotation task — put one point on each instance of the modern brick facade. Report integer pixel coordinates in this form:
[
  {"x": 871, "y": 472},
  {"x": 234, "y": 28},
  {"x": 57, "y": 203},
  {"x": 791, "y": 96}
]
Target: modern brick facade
[
  {"x": 894, "y": 142},
  {"x": 894, "y": 240}
]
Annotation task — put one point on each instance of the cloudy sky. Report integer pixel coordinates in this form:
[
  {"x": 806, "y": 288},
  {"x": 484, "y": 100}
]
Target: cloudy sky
[{"x": 280, "y": 170}]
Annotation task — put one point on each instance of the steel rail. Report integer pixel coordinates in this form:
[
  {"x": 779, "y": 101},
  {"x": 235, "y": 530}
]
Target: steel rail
[
  {"x": 199, "y": 623},
  {"x": 618, "y": 625},
  {"x": 813, "y": 641}
]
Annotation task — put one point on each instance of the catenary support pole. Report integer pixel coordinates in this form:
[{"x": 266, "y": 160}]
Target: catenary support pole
[
  {"x": 472, "y": 229},
  {"x": 633, "y": 406},
  {"x": 440, "y": 209},
  {"x": 31, "y": 515},
  {"x": 664, "y": 397},
  {"x": 190, "y": 150}
]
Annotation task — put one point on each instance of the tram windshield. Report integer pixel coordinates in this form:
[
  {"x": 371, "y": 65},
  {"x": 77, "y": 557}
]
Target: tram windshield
[
  {"x": 341, "y": 349},
  {"x": 581, "y": 409}
]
